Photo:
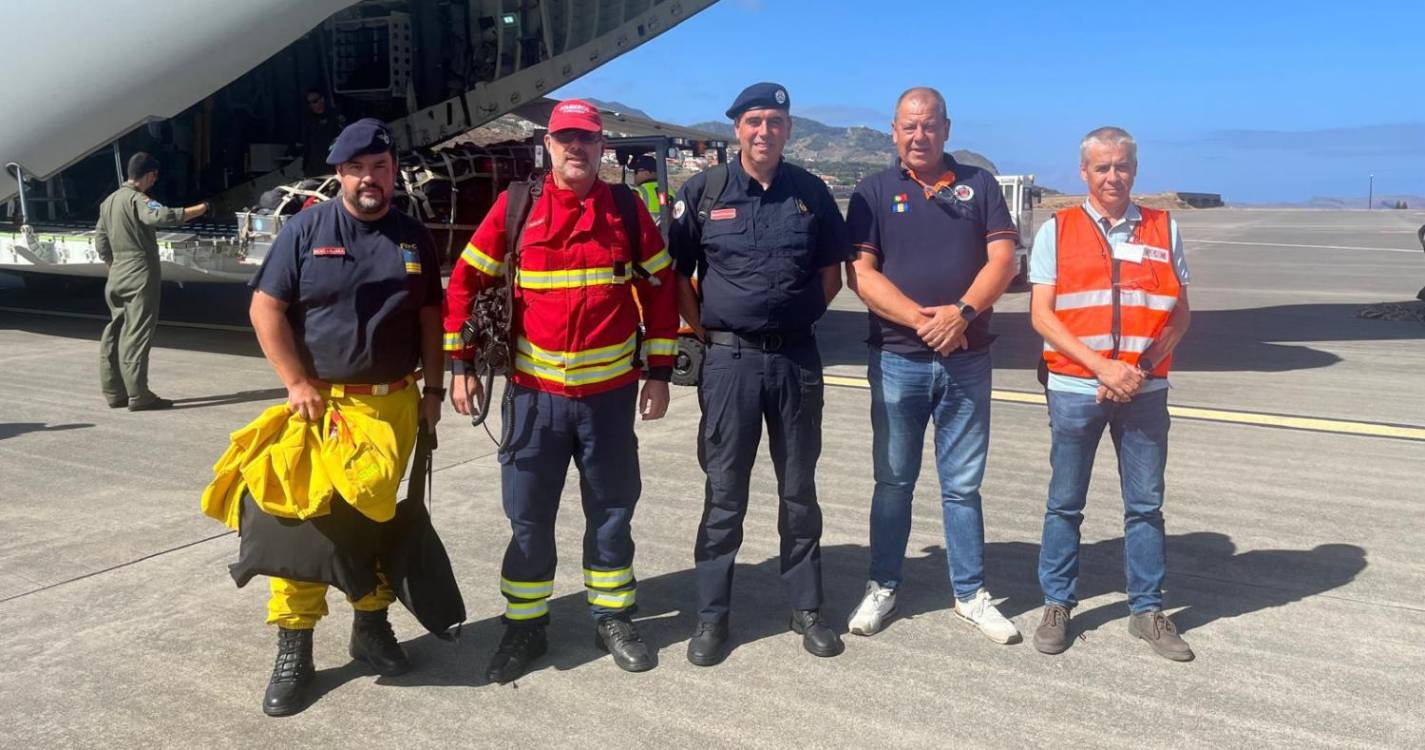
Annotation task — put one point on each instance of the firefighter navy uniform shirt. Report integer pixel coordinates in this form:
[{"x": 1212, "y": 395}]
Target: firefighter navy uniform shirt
[
  {"x": 354, "y": 290},
  {"x": 763, "y": 249},
  {"x": 931, "y": 242}
]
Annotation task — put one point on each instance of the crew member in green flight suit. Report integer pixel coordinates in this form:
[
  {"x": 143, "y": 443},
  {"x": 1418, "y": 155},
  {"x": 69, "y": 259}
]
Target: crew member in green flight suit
[{"x": 127, "y": 241}]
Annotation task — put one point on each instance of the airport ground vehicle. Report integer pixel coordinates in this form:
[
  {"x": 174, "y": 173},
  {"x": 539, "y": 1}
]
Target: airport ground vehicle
[
  {"x": 221, "y": 101},
  {"x": 1020, "y": 195}
]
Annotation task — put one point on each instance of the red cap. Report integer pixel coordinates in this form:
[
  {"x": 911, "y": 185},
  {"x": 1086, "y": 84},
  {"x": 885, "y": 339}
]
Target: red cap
[{"x": 576, "y": 114}]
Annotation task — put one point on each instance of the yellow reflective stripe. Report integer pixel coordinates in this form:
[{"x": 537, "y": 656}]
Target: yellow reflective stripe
[
  {"x": 481, "y": 261},
  {"x": 660, "y": 348},
  {"x": 526, "y": 589},
  {"x": 526, "y": 610},
  {"x": 453, "y": 342},
  {"x": 577, "y": 359},
  {"x": 613, "y": 599},
  {"x": 658, "y": 262},
  {"x": 579, "y": 376},
  {"x": 569, "y": 278},
  {"x": 607, "y": 579}
]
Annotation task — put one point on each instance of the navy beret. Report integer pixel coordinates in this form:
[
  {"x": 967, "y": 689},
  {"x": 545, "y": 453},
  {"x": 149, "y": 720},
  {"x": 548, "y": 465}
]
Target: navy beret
[
  {"x": 365, "y": 136},
  {"x": 760, "y": 96}
]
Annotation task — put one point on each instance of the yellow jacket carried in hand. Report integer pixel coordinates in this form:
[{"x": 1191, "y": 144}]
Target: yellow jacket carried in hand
[{"x": 293, "y": 467}]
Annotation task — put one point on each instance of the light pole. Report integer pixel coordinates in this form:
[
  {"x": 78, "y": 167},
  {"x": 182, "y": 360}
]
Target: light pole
[{"x": 1371, "y": 193}]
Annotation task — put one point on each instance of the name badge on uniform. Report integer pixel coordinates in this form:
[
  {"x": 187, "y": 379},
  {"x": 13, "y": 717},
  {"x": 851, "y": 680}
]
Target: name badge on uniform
[
  {"x": 335, "y": 251},
  {"x": 1134, "y": 252},
  {"x": 722, "y": 214}
]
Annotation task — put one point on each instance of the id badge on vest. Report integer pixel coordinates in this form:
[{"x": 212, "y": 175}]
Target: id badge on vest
[{"x": 1134, "y": 252}]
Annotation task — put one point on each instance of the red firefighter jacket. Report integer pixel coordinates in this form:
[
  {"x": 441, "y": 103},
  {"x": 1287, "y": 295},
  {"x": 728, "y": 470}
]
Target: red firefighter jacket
[{"x": 576, "y": 316}]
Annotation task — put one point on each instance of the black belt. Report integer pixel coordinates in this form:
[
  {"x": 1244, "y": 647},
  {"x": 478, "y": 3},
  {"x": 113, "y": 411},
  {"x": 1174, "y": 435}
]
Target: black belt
[{"x": 767, "y": 342}]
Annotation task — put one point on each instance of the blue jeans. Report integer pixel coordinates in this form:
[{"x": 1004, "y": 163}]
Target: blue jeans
[
  {"x": 1140, "y": 438},
  {"x": 907, "y": 391}
]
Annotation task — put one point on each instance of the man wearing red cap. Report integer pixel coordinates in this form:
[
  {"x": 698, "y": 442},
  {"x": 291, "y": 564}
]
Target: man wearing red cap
[{"x": 576, "y": 348}]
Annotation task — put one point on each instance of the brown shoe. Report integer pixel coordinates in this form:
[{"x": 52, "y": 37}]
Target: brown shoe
[
  {"x": 1052, "y": 635},
  {"x": 1160, "y": 633}
]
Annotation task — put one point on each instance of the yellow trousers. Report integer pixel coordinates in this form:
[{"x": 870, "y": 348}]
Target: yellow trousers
[{"x": 298, "y": 605}]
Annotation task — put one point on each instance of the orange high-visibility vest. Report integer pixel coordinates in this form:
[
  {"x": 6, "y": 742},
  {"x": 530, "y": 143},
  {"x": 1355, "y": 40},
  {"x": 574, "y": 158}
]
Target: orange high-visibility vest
[{"x": 1119, "y": 320}]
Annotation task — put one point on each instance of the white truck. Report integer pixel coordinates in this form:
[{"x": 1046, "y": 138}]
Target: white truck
[{"x": 1020, "y": 195}]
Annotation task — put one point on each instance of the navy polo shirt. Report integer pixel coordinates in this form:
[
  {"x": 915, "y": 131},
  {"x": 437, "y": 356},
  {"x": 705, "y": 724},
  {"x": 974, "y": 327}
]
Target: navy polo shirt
[
  {"x": 763, "y": 249},
  {"x": 354, "y": 291},
  {"x": 930, "y": 247}
]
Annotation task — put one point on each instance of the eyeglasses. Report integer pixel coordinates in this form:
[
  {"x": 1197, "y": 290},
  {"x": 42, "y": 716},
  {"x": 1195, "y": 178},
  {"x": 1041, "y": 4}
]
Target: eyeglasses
[{"x": 586, "y": 137}]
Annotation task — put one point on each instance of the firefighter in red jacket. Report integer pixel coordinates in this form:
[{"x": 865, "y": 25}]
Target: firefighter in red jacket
[{"x": 576, "y": 348}]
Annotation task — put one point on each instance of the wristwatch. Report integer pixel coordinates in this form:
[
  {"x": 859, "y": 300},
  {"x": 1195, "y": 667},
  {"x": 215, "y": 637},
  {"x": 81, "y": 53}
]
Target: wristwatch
[
  {"x": 434, "y": 390},
  {"x": 1146, "y": 365},
  {"x": 967, "y": 310}
]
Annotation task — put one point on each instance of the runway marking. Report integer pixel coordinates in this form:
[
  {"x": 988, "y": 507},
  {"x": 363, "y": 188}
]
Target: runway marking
[
  {"x": 91, "y": 316},
  {"x": 1260, "y": 419},
  {"x": 1314, "y": 247}
]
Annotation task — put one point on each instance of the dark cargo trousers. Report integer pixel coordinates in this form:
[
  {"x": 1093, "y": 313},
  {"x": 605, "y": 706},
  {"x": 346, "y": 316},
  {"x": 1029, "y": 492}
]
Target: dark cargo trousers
[
  {"x": 597, "y": 433},
  {"x": 740, "y": 387},
  {"x": 132, "y": 293}
]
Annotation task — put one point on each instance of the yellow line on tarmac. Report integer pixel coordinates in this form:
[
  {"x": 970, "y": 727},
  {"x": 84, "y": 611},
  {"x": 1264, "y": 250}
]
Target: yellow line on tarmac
[{"x": 1314, "y": 424}]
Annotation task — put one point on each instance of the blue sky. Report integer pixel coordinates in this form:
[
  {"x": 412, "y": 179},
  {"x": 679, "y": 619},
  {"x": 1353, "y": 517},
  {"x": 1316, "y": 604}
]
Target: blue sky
[{"x": 1261, "y": 101}]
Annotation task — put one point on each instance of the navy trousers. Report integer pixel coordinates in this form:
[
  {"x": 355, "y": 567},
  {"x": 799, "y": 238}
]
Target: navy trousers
[
  {"x": 740, "y": 387},
  {"x": 597, "y": 433}
]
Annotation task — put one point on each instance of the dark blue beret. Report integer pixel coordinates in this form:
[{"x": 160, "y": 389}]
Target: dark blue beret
[
  {"x": 365, "y": 136},
  {"x": 760, "y": 96}
]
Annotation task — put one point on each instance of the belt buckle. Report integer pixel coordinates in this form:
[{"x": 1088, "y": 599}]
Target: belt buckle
[
  {"x": 380, "y": 390},
  {"x": 771, "y": 342}
]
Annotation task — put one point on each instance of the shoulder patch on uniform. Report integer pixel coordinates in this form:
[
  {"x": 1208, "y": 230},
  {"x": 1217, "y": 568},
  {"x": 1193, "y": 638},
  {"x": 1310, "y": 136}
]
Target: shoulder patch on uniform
[
  {"x": 679, "y": 209},
  {"x": 155, "y": 205}
]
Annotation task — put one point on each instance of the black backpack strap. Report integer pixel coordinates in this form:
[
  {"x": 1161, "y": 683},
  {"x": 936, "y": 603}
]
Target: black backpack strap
[
  {"x": 519, "y": 199},
  {"x": 713, "y": 187},
  {"x": 628, "y": 212}
]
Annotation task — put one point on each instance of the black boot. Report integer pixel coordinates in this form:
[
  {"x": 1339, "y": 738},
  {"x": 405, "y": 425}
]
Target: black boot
[
  {"x": 618, "y": 637},
  {"x": 518, "y": 647},
  {"x": 817, "y": 638},
  {"x": 291, "y": 674},
  {"x": 708, "y": 645},
  {"x": 373, "y": 642}
]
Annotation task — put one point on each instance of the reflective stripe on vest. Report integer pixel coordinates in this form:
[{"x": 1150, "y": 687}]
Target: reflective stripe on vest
[{"x": 1084, "y": 294}]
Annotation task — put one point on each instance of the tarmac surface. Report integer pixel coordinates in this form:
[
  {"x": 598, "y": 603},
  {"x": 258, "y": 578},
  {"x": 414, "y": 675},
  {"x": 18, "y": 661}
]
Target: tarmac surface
[{"x": 1295, "y": 563}]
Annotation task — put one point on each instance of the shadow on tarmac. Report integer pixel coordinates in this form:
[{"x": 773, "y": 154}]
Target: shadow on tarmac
[
  {"x": 1216, "y": 582},
  {"x": 241, "y": 397},
  {"x": 15, "y": 429},
  {"x": 1250, "y": 340}
]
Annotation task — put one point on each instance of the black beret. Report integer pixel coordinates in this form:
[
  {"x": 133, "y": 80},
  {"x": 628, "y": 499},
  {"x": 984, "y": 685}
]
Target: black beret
[
  {"x": 760, "y": 96},
  {"x": 647, "y": 162},
  {"x": 365, "y": 136}
]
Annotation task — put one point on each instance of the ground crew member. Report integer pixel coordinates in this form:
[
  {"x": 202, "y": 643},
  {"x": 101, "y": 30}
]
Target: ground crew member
[
  {"x": 320, "y": 126},
  {"x": 766, "y": 241},
  {"x": 575, "y": 382},
  {"x": 936, "y": 249},
  {"x": 645, "y": 176},
  {"x": 1110, "y": 299},
  {"x": 126, "y": 240},
  {"x": 345, "y": 306}
]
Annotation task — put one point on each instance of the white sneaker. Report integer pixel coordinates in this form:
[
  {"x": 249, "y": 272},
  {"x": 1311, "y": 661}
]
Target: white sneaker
[
  {"x": 870, "y": 616},
  {"x": 983, "y": 615}
]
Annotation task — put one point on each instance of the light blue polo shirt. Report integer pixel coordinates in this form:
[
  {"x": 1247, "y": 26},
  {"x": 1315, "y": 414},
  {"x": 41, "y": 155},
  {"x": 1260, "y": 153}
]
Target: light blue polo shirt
[{"x": 1044, "y": 269}]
